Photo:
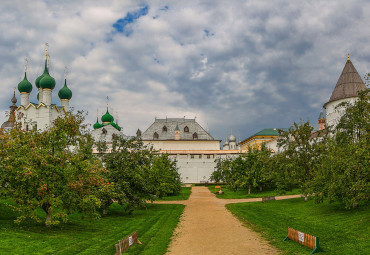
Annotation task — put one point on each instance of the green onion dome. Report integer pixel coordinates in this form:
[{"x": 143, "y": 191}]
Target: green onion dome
[
  {"x": 47, "y": 82},
  {"x": 97, "y": 124},
  {"x": 115, "y": 126},
  {"x": 65, "y": 92},
  {"x": 37, "y": 81},
  {"x": 25, "y": 85},
  {"x": 107, "y": 117}
]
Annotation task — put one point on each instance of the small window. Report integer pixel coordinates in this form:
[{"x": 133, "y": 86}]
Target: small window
[
  {"x": 195, "y": 136},
  {"x": 155, "y": 136},
  {"x": 164, "y": 129},
  {"x": 26, "y": 127},
  {"x": 186, "y": 129},
  {"x": 208, "y": 156},
  {"x": 191, "y": 156},
  {"x": 104, "y": 131}
]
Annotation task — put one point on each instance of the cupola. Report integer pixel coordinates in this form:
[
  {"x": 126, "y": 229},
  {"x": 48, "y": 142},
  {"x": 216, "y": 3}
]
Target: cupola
[
  {"x": 97, "y": 124},
  {"x": 65, "y": 93},
  {"x": 37, "y": 81},
  {"x": 47, "y": 82},
  {"x": 107, "y": 118},
  {"x": 25, "y": 86}
]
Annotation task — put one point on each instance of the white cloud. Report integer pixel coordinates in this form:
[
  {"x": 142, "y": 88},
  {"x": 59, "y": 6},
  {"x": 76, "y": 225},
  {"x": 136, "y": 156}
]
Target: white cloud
[{"x": 249, "y": 65}]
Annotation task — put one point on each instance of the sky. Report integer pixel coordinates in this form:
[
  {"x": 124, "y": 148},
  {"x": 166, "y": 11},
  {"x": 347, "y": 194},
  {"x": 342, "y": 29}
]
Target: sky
[{"x": 245, "y": 65}]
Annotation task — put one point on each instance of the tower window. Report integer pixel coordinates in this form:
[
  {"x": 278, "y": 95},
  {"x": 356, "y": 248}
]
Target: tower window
[
  {"x": 164, "y": 129},
  {"x": 155, "y": 135},
  {"x": 195, "y": 136},
  {"x": 186, "y": 129}
]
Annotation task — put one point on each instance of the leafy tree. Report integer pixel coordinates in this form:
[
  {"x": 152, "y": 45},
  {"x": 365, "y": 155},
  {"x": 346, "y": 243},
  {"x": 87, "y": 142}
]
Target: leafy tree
[
  {"x": 136, "y": 173},
  {"x": 164, "y": 177},
  {"x": 54, "y": 170},
  {"x": 245, "y": 171},
  {"x": 342, "y": 173},
  {"x": 299, "y": 154}
]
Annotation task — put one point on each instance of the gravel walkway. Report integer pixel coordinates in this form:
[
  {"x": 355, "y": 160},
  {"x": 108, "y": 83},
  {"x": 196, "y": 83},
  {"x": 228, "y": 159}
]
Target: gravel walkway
[{"x": 207, "y": 227}]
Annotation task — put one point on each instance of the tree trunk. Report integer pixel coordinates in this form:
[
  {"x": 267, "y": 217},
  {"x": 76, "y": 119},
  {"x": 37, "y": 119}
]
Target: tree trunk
[
  {"x": 260, "y": 187},
  {"x": 249, "y": 189},
  {"x": 48, "y": 218}
]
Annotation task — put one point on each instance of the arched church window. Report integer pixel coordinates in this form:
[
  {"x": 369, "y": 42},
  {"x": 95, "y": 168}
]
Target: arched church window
[
  {"x": 164, "y": 129},
  {"x": 155, "y": 136},
  {"x": 104, "y": 131},
  {"x": 195, "y": 136},
  {"x": 186, "y": 129}
]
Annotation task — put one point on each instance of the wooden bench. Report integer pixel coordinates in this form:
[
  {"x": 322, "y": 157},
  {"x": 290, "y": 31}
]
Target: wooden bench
[{"x": 307, "y": 240}]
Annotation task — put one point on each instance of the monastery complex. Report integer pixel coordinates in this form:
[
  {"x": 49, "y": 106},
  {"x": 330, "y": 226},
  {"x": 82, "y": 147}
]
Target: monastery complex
[{"x": 193, "y": 147}]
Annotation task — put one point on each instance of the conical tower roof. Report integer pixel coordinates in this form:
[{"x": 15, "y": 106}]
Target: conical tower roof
[{"x": 348, "y": 85}]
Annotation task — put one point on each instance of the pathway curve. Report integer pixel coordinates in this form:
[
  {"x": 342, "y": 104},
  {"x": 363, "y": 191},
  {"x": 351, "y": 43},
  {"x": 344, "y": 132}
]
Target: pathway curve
[{"x": 207, "y": 227}]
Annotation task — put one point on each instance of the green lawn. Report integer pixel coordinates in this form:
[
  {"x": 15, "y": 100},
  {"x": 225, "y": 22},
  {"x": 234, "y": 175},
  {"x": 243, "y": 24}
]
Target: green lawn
[
  {"x": 341, "y": 231},
  {"x": 183, "y": 195},
  {"x": 229, "y": 194},
  {"x": 83, "y": 236}
]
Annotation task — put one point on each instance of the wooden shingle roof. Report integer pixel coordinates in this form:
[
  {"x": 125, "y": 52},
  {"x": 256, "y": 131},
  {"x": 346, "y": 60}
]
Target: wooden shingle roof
[{"x": 348, "y": 85}]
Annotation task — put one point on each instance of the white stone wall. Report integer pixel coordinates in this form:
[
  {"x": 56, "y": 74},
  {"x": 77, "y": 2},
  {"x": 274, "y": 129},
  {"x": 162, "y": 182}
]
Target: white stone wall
[
  {"x": 43, "y": 116},
  {"x": 333, "y": 115},
  {"x": 184, "y": 144},
  {"x": 197, "y": 168}
]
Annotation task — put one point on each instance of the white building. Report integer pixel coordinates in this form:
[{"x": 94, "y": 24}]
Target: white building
[
  {"x": 41, "y": 115},
  {"x": 194, "y": 149}
]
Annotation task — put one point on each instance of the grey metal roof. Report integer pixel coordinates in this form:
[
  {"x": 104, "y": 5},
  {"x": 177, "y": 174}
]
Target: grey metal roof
[
  {"x": 161, "y": 125},
  {"x": 348, "y": 85}
]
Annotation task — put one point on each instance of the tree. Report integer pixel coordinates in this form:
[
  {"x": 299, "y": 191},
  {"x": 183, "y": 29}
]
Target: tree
[
  {"x": 342, "y": 173},
  {"x": 246, "y": 171},
  {"x": 300, "y": 154},
  {"x": 137, "y": 173},
  {"x": 164, "y": 177},
  {"x": 54, "y": 170}
]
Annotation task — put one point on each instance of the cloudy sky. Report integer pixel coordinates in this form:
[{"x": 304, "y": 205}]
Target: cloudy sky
[{"x": 246, "y": 64}]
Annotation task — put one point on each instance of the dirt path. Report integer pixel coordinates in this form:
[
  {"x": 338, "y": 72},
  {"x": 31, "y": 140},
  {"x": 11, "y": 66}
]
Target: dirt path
[{"x": 207, "y": 227}]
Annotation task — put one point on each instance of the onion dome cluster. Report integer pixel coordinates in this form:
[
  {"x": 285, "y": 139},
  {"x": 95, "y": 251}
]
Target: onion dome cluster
[{"x": 107, "y": 119}]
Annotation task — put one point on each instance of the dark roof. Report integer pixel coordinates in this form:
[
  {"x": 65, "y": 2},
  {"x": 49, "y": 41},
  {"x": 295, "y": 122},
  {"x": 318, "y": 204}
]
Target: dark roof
[
  {"x": 171, "y": 124},
  {"x": 348, "y": 85},
  {"x": 322, "y": 115}
]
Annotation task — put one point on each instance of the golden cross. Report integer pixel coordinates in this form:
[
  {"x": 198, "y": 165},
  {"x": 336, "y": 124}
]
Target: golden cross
[
  {"x": 25, "y": 64},
  {"x": 107, "y": 101},
  {"x": 65, "y": 72},
  {"x": 46, "y": 52},
  {"x": 348, "y": 56}
]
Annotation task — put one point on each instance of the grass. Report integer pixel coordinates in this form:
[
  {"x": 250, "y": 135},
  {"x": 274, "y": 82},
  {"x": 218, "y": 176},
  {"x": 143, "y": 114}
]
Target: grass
[
  {"x": 155, "y": 226},
  {"x": 183, "y": 195},
  {"x": 341, "y": 231},
  {"x": 230, "y": 194}
]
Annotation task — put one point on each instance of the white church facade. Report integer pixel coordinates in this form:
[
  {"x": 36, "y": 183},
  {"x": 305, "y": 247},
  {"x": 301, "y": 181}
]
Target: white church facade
[{"x": 42, "y": 114}]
